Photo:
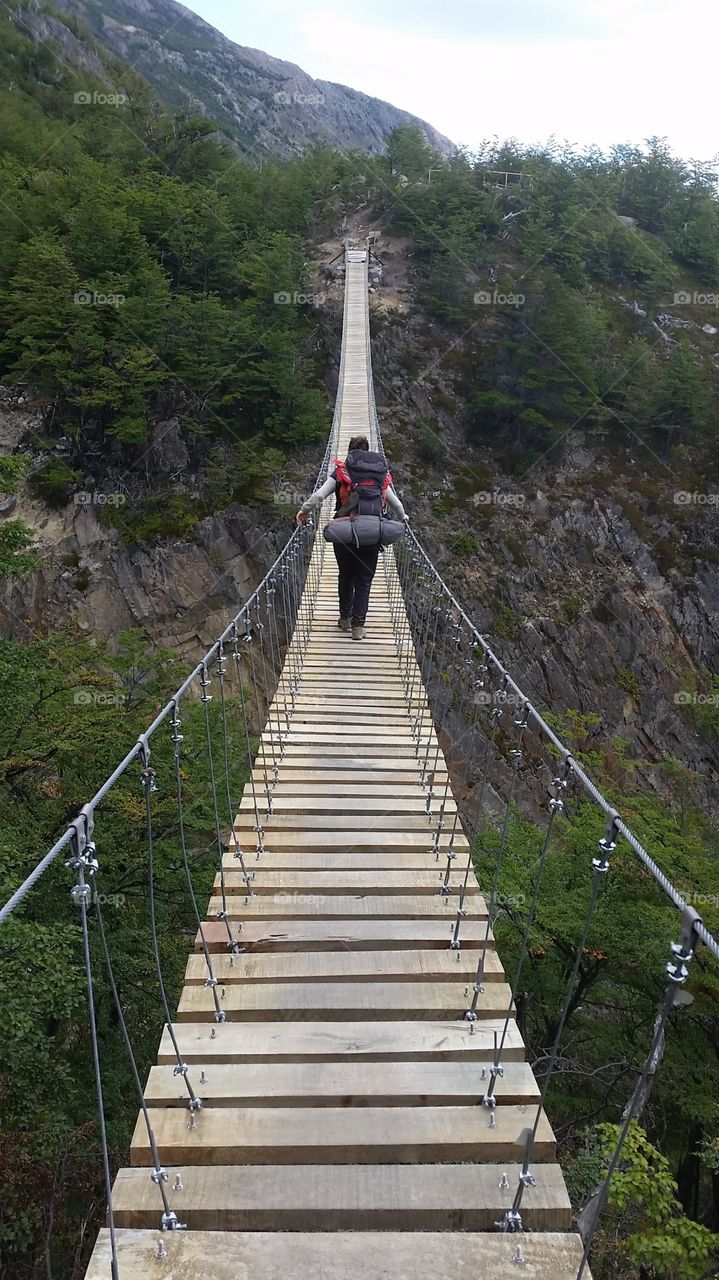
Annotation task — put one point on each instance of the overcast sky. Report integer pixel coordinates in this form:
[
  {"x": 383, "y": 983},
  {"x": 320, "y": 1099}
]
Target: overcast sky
[{"x": 585, "y": 71}]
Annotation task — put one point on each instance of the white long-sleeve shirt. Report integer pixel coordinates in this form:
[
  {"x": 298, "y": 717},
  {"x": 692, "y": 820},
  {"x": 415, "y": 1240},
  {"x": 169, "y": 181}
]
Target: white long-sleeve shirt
[{"x": 328, "y": 488}]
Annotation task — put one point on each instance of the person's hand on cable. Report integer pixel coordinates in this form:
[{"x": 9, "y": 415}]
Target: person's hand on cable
[{"x": 302, "y": 516}]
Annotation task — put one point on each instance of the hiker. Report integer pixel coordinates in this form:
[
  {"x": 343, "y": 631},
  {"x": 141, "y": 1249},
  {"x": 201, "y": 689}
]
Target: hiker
[{"x": 357, "y": 565}]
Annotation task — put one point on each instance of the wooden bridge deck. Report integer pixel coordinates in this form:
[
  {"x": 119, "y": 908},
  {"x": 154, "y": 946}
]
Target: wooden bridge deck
[{"x": 341, "y": 1134}]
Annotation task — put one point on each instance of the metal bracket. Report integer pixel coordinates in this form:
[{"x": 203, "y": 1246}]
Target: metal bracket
[{"x": 169, "y": 1222}]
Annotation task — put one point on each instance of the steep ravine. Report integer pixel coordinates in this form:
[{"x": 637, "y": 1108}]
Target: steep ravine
[
  {"x": 600, "y": 594},
  {"x": 591, "y": 581}
]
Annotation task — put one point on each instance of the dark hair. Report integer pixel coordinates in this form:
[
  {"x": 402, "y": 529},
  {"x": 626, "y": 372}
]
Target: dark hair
[{"x": 358, "y": 442}]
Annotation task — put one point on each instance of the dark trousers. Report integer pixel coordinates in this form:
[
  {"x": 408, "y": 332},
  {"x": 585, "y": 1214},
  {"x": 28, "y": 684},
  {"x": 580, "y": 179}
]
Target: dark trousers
[{"x": 357, "y": 566}]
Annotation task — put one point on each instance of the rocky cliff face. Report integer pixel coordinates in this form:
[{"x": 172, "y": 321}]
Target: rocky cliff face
[
  {"x": 180, "y": 592},
  {"x": 594, "y": 582},
  {"x": 261, "y": 102}
]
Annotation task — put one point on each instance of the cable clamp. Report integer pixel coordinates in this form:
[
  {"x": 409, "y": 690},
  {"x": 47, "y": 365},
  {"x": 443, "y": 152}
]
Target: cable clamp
[
  {"x": 677, "y": 970},
  {"x": 169, "y": 1222},
  {"x": 148, "y": 778},
  {"x": 159, "y": 1175}
]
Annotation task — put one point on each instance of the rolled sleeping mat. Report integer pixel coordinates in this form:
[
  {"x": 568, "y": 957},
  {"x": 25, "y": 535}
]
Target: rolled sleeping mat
[{"x": 364, "y": 531}]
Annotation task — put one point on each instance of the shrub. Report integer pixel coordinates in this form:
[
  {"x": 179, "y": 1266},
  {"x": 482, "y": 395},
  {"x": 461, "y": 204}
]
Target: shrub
[
  {"x": 16, "y": 561},
  {"x": 55, "y": 482},
  {"x": 465, "y": 544}
]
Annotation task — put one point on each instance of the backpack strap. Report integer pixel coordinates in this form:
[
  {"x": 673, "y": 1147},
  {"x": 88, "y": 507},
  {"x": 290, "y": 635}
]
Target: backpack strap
[{"x": 344, "y": 483}]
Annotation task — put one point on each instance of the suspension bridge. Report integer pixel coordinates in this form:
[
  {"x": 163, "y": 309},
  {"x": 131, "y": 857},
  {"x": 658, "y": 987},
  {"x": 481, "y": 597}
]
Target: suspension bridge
[{"x": 343, "y": 1090}]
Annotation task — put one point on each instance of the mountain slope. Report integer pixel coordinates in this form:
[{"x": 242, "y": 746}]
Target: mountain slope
[{"x": 261, "y": 102}]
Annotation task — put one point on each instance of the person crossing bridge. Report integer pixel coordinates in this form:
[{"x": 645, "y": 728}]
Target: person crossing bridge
[{"x": 362, "y": 484}]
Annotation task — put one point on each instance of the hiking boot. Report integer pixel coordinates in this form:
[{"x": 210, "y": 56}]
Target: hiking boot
[
  {"x": 358, "y": 631},
  {"x": 344, "y": 624}
]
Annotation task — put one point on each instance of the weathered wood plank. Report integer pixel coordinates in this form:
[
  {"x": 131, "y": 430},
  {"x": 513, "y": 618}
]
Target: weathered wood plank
[
  {"x": 346, "y": 1198},
  {"x": 343, "y": 1001},
  {"x": 452, "y": 1040},
  {"x": 291, "y": 1135},
  {"x": 344, "y": 841},
  {"x": 348, "y": 934},
  {"x": 345, "y": 966},
  {"x": 428, "y": 881},
  {"x": 340, "y": 860},
  {"x": 373, "y": 1255},
  {"x": 345, "y": 1084},
  {"x": 308, "y": 906}
]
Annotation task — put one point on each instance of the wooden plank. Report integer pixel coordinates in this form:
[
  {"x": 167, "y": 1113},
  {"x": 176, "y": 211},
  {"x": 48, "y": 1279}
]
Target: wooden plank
[
  {"x": 342, "y": 785},
  {"x": 343, "y": 1001},
  {"x": 294, "y": 775},
  {"x": 337, "y": 1255},
  {"x": 345, "y": 1084},
  {"x": 345, "y": 882},
  {"x": 390, "y": 825},
  {"x": 321, "y": 763},
  {"x": 308, "y": 906},
  {"x": 316, "y": 839},
  {"x": 344, "y": 966},
  {"x": 339, "y": 860},
  {"x": 415, "y": 805},
  {"x": 346, "y": 1198},
  {"x": 367, "y": 745},
  {"x": 451, "y": 1040},
  {"x": 349, "y": 934},
  {"x": 327, "y": 744},
  {"x": 346, "y": 1135}
]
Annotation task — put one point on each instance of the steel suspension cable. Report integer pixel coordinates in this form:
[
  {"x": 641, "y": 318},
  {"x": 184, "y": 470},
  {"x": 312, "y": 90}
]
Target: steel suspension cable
[
  {"x": 149, "y": 784},
  {"x": 223, "y": 914},
  {"x": 83, "y": 862},
  {"x": 169, "y": 1220},
  {"x": 177, "y": 738},
  {"x": 231, "y": 808},
  {"x": 600, "y": 867}
]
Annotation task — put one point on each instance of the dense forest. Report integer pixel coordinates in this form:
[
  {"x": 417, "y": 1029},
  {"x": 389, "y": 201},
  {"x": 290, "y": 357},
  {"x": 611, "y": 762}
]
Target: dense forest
[{"x": 140, "y": 265}]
